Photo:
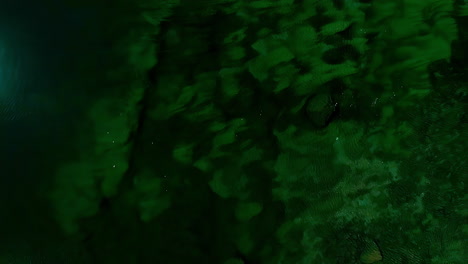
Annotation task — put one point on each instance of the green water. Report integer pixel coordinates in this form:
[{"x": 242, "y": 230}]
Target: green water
[{"x": 276, "y": 132}]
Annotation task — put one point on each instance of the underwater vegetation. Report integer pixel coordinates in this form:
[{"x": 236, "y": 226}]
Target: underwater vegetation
[{"x": 271, "y": 131}]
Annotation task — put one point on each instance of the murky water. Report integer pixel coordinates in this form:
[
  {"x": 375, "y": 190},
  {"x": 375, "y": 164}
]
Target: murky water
[
  {"x": 41, "y": 44},
  {"x": 368, "y": 138}
]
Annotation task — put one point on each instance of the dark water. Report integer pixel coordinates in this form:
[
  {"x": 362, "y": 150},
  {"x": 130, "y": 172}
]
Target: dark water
[
  {"x": 42, "y": 45},
  {"x": 53, "y": 60}
]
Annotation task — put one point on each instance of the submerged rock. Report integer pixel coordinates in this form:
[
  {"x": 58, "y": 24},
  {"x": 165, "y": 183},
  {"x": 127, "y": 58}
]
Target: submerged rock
[
  {"x": 319, "y": 109},
  {"x": 371, "y": 253}
]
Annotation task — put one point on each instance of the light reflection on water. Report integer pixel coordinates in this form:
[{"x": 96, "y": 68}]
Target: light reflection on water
[{"x": 39, "y": 50}]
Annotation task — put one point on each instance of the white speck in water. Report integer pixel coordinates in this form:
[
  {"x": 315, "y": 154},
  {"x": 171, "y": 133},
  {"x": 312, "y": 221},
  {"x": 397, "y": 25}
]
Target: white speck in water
[{"x": 113, "y": 166}]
